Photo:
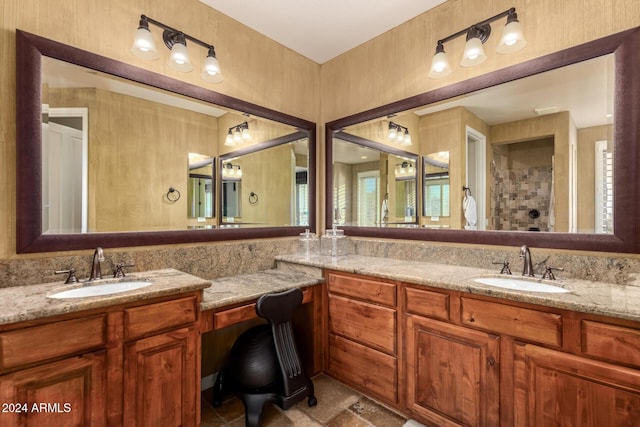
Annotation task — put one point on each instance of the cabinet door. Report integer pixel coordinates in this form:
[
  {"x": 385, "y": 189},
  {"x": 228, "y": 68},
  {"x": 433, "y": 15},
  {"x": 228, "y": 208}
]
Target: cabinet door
[
  {"x": 453, "y": 374},
  {"x": 70, "y": 392},
  {"x": 554, "y": 388},
  {"x": 161, "y": 384}
]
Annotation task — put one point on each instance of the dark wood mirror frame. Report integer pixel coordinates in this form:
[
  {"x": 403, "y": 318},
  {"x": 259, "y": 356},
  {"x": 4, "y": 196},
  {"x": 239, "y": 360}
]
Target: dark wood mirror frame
[
  {"x": 29, "y": 50},
  {"x": 626, "y": 237}
]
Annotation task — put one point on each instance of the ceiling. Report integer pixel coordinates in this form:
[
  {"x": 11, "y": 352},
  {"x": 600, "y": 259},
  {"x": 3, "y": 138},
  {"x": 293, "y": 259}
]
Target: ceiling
[{"x": 322, "y": 30}]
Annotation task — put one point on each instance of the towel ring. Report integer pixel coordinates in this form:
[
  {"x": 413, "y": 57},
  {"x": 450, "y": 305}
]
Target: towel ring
[
  {"x": 467, "y": 190},
  {"x": 253, "y": 198},
  {"x": 171, "y": 196}
]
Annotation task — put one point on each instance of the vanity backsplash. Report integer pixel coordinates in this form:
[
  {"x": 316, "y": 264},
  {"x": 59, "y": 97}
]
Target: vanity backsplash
[{"x": 233, "y": 258}]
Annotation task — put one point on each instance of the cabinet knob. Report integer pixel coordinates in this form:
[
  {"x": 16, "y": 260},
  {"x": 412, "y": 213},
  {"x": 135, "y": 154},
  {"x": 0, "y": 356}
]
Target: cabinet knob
[{"x": 491, "y": 361}]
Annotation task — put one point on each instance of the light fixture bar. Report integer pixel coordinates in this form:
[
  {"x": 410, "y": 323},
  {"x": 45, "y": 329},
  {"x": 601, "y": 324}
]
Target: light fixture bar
[
  {"x": 173, "y": 30},
  {"x": 477, "y": 25}
]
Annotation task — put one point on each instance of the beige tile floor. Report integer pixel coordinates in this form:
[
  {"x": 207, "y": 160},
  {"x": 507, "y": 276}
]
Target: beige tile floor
[{"x": 338, "y": 406}]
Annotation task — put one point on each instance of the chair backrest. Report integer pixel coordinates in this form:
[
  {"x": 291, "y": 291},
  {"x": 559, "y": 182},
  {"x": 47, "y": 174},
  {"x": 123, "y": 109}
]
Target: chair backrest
[{"x": 278, "y": 309}]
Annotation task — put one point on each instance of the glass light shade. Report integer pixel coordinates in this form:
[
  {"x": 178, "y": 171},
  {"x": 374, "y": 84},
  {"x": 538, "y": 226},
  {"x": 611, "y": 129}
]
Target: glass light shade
[
  {"x": 245, "y": 134},
  {"x": 179, "y": 59},
  {"x": 406, "y": 141},
  {"x": 229, "y": 140},
  {"x": 211, "y": 70},
  {"x": 473, "y": 53},
  {"x": 237, "y": 135},
  {"x": 512, "y": 39},
  {"x": 392, "y": 133},
  {"x": 439, "y": 66},
  {"x": 143, "y": 45}
]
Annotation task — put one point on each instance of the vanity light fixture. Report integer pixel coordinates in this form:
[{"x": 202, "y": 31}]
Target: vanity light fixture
[
  {"x": 231, "y": 172},
  {"x": 237, "y": 135},
  {"x": 145, "y": 48},
  {"x": 405, "y": 170},
  {"x": 399, "y": 134},
  {"x": 512, "y": 40}
]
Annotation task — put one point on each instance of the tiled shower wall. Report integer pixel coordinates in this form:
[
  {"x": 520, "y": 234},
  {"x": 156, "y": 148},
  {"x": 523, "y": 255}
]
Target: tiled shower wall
[{"x": 516, "y": 193}]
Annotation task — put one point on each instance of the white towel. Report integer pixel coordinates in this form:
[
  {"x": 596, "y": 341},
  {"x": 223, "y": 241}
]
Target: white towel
[
  {"x": 384, "y": 212},
  {"x": 470, "y": 212}
]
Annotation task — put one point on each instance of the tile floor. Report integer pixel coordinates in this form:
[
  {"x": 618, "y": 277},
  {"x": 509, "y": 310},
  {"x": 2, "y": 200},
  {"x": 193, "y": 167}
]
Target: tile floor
[{"x": 338, "y": 406}]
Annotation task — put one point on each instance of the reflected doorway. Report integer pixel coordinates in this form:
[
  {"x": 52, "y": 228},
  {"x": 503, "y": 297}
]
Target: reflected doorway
[
  {"x": 64, "y": 169},
  {"x": 476, "y": 173}
]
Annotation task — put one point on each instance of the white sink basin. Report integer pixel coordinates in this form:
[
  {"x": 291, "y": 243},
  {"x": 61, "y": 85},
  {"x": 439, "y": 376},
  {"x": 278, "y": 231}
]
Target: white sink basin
[
  {"x": 99, "y": 290},
  {"x": 520, "y": 284}
]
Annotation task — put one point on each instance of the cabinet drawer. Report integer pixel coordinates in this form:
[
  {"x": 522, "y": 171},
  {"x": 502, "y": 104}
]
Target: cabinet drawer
[
  {"x": 610, "y": 342},
  {"x": 151, "y": 318},
  {"x": 30, "y": 345},
  {"x": 232, "y": 316},
  {"x": 427, "y": 303},
  {"x": 366, "y": 323},
  {"x": 364, "y": 289},
  {"x": 523, "y": 323},
  {"x": 370, "y": 370}
]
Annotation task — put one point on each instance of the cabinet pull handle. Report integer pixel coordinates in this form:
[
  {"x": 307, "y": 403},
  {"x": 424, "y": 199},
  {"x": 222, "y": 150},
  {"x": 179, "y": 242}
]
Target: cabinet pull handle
[{"x": 491, "y": 361}]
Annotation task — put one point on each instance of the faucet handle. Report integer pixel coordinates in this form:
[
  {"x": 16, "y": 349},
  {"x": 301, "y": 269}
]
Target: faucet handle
[
  {"x": 119, "y": 272},
  {"x": 505, "y": 266},
  {"x": 548, "y": 273},
  {"x": 72, "y": 275}
]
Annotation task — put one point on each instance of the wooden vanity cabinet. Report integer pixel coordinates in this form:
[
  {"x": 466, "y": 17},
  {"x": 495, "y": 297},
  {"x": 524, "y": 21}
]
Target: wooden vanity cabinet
[
  {"x": 362, "y": 334},
  {"x": 162, "y": 364},
  {"x": 480, "y": 361},
  {"x": 132, "y": 365},
  {"x": 453, "y": 373}
]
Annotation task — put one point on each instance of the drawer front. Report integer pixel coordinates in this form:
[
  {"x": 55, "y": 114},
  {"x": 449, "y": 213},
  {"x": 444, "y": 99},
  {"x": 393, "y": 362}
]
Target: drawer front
[
  {"x": 617, "y": 344},
  {"x": 523, "y": 323},
  {"x": 161, "y": 316},
  {"x": 232, "y": 316},
  {"x": 364, "y": 289},
  {"x": 30, "y": 345},
  {"x": 366, "y": 323},
  {"x": 427, "y": 303},
  {"x": 370, "y": 370}
]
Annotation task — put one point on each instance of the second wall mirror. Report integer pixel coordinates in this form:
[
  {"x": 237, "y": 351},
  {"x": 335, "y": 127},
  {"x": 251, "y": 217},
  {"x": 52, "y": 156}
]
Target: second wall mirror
[{"x": 541, "y": 153}]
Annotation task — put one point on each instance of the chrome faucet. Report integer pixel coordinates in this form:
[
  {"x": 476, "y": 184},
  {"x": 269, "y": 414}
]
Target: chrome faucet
[
  {"x": 525, "y": 254},
  {"x": 98, "y": 257}
]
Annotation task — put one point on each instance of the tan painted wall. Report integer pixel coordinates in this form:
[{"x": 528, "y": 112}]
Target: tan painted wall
[
  {"x": 586, "y": 181},
  {"x": 133, "y": 160}
]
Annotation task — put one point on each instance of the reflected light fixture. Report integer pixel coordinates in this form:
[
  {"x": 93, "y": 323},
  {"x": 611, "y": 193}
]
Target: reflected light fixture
[
  {"x": 512, "y": 40},
  {"x": 237, "y": 135},
  {"x": 399, "y": 134},
  {"x": 231, "y": 172},
  {"x": 405, "y": 169},
  {"x": 144, "y": 47}
]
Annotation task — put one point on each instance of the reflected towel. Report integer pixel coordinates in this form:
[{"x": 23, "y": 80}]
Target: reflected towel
[
  {"x": 384, "y": 212},
  {"x": 552, "y": 199},
  {"x": 470, "y": 212}
]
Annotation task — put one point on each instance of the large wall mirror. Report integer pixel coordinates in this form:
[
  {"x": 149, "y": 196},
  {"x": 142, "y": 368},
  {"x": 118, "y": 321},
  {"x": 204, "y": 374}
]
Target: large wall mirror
[
  {"x": 543, "y": 153},
  {"x": 112, "y": 155}
]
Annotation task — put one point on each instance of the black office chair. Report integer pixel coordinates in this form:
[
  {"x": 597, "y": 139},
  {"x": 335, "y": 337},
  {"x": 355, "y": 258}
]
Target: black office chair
[{"x": 264, "y": 365}]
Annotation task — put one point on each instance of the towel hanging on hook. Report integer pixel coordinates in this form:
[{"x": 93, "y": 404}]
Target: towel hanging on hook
[{"x": 470, "y": 210}]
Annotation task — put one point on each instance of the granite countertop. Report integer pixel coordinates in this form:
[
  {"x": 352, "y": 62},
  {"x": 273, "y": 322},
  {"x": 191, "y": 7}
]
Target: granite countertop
[
  {"x": 21, "y": 303},
  {"x": 249, "y": 287},
  {"x": 621, "y": 301}
]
